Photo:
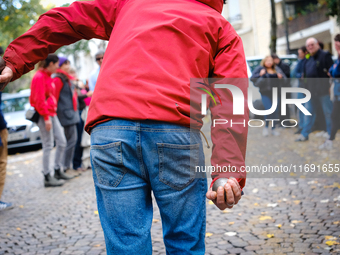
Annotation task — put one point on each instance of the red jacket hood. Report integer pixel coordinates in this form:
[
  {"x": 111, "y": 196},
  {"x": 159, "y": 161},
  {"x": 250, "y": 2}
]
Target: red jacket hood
[{"x": 216, "y": 4}]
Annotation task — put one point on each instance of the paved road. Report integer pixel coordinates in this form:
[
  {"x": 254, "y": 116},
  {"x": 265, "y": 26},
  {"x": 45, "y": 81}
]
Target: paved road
[{"x": 276, "y": 216}]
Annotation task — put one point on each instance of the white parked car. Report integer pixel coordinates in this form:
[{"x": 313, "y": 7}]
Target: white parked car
[{"x": 21, "y": 132}]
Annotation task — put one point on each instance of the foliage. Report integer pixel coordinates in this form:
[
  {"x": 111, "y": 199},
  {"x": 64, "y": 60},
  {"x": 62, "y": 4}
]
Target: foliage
[
  {"x": 16, "y": 17},
  {"x": 333, "y": 8}
]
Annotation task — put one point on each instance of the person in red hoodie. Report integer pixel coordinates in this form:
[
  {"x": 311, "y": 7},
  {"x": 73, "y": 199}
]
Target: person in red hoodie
[
  {"x": 43, "y": 100},
  {"x": 67, "y": 110},
  {"x": 144, "y": 134}
]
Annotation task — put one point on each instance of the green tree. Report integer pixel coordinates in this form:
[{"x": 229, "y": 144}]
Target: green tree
[
  {"x": 273, "y": 28},
  {"x": 16, "y": 17},
  {"x": 333, "y": 8}
]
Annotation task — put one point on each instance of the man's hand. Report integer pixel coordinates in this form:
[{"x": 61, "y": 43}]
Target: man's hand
[
  {"x": 233, "y": 193},
  {"x": 279, "y": 76},
  {"x": 48, "y": 125},
  {"x": 5, "y": 77}
]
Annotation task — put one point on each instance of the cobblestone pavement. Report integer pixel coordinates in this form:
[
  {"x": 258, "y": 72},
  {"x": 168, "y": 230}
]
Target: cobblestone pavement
[{"x": 275, "y": 216}]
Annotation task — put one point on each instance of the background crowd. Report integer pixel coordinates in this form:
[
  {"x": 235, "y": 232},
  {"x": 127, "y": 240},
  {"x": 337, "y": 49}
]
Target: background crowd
[
  {"x": 61, "y": 101},
  {"x": 315, "y": 72}
]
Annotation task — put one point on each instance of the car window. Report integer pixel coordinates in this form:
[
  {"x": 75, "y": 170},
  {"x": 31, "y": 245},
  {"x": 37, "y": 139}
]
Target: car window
[{"x": 15, "y": 104}]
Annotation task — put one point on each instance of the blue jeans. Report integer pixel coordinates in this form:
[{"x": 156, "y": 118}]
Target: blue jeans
[
  {"x": 301, "y": 115},
  {"x": 267, "y": 104},
  {"x": 309, "y": 120},
  {"x": 132, "y": 158}
]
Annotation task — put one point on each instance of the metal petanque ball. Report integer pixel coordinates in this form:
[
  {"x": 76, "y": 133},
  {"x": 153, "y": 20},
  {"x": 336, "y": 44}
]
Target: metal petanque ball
[{"x": 220, "y": 182}]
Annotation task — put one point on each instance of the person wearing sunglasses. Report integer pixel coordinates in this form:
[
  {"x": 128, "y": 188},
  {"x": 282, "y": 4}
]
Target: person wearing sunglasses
[{"x": 94, "y": 75}]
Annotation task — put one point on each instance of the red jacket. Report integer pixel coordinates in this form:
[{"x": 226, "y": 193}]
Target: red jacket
[
  {"x": 59, "y": 85},
  {"x": 42, "y": 94},
  {"x": 155, "y": 48}
]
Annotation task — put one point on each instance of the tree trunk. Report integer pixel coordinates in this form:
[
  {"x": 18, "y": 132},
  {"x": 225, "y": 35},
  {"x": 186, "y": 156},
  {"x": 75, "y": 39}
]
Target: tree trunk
[{"x": 273, "y": 29}]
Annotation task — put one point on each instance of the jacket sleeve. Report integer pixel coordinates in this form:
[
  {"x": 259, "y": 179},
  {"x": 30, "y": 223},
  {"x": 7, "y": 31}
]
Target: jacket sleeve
[
  {"x": 335, "y": 70},
  {"x": 329, "y": 62},
  {"x": 38, "y": 95},
  {"x": 61, "y": 26},
  {"x": 229, "y": 141},
  {"x": 58, "y": 86}
]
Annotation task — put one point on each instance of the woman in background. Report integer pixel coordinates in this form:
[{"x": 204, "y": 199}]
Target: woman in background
[
  {"x": 43, "y": 100},
  {"x": 266, "y": 78}
]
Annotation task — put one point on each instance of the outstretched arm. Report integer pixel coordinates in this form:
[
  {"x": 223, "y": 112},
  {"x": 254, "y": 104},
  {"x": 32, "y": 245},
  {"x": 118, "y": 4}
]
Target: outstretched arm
[{"x": 58, "y": 27}]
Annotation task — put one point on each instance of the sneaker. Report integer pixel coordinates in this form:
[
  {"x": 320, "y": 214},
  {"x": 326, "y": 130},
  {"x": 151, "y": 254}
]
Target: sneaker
[
  {"x": 265, "y": 131},
  {"x": 60, "y": 175},
  {"x": 327, "y": 145},
  {"x": 320, "y": 134},
  {"x": 50, "y": 181},
  {"x": 5, "y": 206},
  {"x": 326, "y": 135},
  {"x": 275, "y": 132},
  {"x": 301, "y": 138}
]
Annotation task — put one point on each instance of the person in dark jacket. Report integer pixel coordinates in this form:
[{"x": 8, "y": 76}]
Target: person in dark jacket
[
  {"x": 334, "y": 72},
  {"x": 283, "y": 66},
  {"x": 298, "y": 73},
  {"x": 67, "y": 109},
  {"x": 265, "y": 77},
  {"x": 316, "y": 71},
  {"x": 82, "y": 94}
]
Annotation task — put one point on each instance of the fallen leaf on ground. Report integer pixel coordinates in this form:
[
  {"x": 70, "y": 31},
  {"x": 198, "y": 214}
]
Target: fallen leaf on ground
[
  {"x": 96, "y": 212},
  {"x": 231, "y": 223},
  {"x": 265, "y": 218},
  {"x": 279, "y": 225},
  {"x": 330, "y": 243},
  {"x": 21, "y": 206},
  {"x": 296, "y": 202},
  {"x": 208, "y": 234},
  {"x": 292, "y": 174},
  {"x": 324, "y": 201},
  {"x": 97, "y": 245},
  {"x": 19, "y": 229},
  {"x": 296, "y": 221},
  {"x": 336, "y": 222},
  {"x": 256, "y": 204},
  {"x": 330, "y": 238},
  {"x": 155, "y": 220},
  {"x": 270, "y": 235},
  {"x": 65, "y": 191},
  {"x": 211, "y": 202}
]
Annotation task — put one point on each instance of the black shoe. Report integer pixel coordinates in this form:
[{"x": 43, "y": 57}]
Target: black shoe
[
  {"x": 50, "y": 181},
  {"x": 60, "y": 175},
  {"x": 298, "y": 131}
]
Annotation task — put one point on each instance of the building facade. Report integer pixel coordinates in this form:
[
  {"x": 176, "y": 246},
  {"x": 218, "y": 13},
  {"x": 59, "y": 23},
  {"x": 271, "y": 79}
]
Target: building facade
[{"x": 305, "y": 18}]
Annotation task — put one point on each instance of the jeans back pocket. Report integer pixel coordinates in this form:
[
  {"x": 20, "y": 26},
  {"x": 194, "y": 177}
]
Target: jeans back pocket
[
  {"x": 108, "y": 164},
  {"x": 177, "y": 164}
]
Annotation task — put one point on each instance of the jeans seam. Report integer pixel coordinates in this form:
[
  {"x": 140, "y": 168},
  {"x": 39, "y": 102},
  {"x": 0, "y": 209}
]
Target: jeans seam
[{"x": 139, "y": 150}]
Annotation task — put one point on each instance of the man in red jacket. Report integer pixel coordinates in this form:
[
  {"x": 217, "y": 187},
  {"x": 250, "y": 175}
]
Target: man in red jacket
[{"x": 139, "y": 117}]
